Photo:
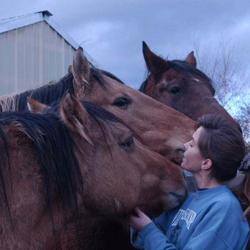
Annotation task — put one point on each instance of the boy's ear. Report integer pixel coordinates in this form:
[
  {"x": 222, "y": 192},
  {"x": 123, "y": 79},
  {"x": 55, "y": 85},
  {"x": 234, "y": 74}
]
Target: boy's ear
[{"x": 206, "y": 164}]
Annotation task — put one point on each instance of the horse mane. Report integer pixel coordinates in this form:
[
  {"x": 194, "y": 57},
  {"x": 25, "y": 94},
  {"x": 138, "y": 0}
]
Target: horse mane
[
  {"x": 48, "y": 93},
  {"x": 4, "y": 168},
  {"x": 51, "y": 92},
  {"x": 182, "y": 66},
  {"x": 8, "y": 103},
  {"x": 111, "y": 76},
  {"x": 54, "y": 149}
]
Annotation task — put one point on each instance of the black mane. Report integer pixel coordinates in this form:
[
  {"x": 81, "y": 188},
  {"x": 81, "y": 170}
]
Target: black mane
[
  {"x": 53, "y": 92},
  {"x": 112, "y": 76},
  {"x": 47, "y": 93},
  {"x": 54, "y": 149}
]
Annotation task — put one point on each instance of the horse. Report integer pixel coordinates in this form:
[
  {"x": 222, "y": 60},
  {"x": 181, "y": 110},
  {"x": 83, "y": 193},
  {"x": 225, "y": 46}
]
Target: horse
[
  {"x": 67, "y": 171},
  {"x": 180, "y": 85},
  {"x": 161, "y": 128}
]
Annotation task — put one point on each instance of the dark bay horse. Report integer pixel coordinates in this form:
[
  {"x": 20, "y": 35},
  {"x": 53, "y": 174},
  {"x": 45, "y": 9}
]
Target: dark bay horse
[
  {"x": 180, "y": 85},
  {"x": 66, "y": 172},
  {"x": 161, "y": 128}
]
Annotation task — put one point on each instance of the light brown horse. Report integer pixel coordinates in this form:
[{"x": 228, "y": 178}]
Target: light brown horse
[{"x": 64, "y": 172}]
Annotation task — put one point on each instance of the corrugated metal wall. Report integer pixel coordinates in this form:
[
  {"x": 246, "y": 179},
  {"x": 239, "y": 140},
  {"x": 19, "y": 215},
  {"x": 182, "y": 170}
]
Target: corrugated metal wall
[{"x": 32, "y": 56}]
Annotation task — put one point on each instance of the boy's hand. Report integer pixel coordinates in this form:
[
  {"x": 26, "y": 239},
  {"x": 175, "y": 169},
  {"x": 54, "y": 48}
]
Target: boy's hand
[{"x": 139, "y": 220}]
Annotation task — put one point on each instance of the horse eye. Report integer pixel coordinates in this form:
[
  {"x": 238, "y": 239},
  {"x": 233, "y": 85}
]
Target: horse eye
[
  {"x": 127, "y": 144},
  {"x": 122, "y": 102},
  {"x": 175, "y": 90}
]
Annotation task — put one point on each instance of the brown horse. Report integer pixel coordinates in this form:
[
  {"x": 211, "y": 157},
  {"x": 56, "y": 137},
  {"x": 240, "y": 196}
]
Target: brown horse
[
  {"x": 63, "y": 174},
  {"x": 180, "y": 85},
  {"x": 161, "y": 128}
]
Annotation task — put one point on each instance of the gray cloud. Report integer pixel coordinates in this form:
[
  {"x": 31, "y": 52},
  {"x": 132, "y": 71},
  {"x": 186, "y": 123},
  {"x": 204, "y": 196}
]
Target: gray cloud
[{"x": 111, "y": 31}]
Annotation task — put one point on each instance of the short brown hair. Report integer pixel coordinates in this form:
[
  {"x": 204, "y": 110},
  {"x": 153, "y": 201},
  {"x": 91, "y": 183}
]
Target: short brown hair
[{"x": 221, "y": 143}]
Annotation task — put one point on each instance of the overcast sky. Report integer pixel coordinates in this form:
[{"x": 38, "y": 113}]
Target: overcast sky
[{"x": 112, "y": 31}]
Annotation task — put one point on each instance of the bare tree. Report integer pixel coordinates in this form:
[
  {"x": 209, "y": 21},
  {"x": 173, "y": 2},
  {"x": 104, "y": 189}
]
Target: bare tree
[
  {"x": 220, "y": 65},
  {"x": 243, "y": 118}
]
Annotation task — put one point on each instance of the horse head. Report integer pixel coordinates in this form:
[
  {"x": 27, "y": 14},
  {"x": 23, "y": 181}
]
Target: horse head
[
  {"x": 161, "y": 128},
  {"x": 180, "y": 85},
  {"x": 119, "y": 173}
]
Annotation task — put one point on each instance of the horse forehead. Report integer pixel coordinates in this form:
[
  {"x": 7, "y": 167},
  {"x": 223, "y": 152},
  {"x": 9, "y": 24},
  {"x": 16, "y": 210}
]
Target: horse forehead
[
  {"x": 191, "y": 79},
  {"x": 171, "y": 73},
  {"x": 116, "y": 89}
]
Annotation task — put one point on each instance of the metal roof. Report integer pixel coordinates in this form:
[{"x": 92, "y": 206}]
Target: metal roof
[{"x": 8, "y": 24}]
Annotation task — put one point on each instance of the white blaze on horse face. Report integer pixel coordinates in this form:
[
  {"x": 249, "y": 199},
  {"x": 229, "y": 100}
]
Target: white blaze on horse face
[{"x": 196, "y": 79}]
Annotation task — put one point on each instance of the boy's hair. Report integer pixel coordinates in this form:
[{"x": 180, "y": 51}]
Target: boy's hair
[{"x": 221, "y": 143}]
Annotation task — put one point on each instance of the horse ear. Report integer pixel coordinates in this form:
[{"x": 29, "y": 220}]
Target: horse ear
[
  {"x": 155, "y": 64},
  {"x": 190, "y": 59},
  {"x": 75, "y": 116},
  {"x": 35, "y": 106},
  {"x": 81, "y": 73}
]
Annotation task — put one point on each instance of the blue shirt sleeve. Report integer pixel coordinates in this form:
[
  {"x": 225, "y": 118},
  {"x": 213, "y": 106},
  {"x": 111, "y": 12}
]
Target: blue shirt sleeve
[
  {"x": 216, "y": 230},
  {"x": 150, "y": 238},
  {"x": 154, "y": 232}
]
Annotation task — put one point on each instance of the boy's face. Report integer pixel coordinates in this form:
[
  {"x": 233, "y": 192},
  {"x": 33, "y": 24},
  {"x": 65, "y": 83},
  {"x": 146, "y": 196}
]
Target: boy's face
[{"x": 192, "y": 159}]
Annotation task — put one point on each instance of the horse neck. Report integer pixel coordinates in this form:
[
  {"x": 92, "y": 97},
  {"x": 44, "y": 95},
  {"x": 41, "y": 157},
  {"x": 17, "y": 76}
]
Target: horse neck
[
  {"x": 46, "y": 94},
  {"x": 213, "y": 107}
]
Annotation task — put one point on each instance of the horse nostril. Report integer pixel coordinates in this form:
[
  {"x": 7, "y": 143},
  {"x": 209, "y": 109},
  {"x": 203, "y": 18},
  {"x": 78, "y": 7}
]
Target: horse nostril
[{"x": 178, "y": 155}]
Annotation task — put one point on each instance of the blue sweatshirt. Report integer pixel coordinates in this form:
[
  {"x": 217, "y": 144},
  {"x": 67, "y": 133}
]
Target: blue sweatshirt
[{"x": 209, "y": 219}]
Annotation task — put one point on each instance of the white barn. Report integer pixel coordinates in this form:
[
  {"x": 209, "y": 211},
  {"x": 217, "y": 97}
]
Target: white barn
[{"x": 34, "y": 50}]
